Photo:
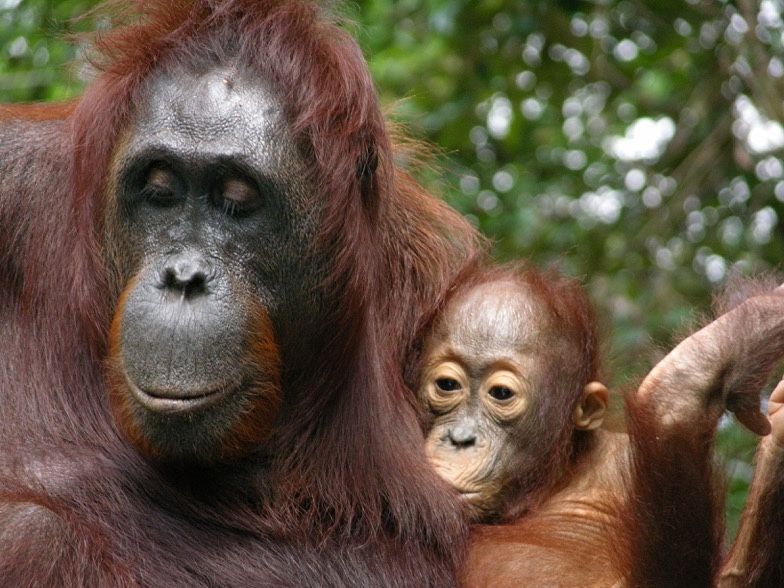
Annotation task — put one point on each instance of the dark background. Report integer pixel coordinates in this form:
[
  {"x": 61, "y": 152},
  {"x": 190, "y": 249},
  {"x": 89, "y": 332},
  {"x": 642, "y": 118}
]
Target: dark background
[{"x": 634, "y": 143}]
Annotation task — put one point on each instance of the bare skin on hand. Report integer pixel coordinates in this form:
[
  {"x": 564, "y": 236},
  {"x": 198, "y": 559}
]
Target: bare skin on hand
[{"x": 571, "y": 503}]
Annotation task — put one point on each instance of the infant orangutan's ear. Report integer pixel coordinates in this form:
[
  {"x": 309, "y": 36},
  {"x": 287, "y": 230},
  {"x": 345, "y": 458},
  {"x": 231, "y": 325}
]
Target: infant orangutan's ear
[{"x": 589, "y": 414}]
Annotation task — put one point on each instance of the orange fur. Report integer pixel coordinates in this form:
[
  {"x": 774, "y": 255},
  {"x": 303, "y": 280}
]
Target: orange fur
[
  {"x": 37, "y": 112},
  {"x": 257, "y": 423}
]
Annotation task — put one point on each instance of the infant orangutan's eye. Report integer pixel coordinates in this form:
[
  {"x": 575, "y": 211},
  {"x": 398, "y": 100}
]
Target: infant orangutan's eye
[
  {"x": 501, "y": 393},
  {"x": 447, "y": 384}
]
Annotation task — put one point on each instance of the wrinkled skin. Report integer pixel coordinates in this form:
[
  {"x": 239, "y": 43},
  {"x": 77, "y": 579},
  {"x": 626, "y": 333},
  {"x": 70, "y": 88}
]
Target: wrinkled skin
[
  {"x": 209, "y": 190},
  {"x": 483, "y": 381},
  {"x": 612, "y": 521},
  {"x": 196, "y": 388}
]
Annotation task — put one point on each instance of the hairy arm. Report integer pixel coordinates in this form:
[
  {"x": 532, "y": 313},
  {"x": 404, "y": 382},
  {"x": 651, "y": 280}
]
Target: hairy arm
[
  {"x": 722, "y": 366},
  {"x": 756, "y": 557},
  {"x": 672, "y": 521},
  {"x": 37, "y": 548},
  {"x": 33, "y": 174}
]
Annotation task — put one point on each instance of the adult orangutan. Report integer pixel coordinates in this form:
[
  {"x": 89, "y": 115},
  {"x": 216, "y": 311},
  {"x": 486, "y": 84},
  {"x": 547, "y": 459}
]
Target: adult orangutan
[
  {"x": 508, "y": 376},
  {"x": 210, "y": 274}
]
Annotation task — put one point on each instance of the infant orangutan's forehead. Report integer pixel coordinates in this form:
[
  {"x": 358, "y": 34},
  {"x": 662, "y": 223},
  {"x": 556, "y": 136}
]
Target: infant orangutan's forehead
[{"x": 495, "y": 314}]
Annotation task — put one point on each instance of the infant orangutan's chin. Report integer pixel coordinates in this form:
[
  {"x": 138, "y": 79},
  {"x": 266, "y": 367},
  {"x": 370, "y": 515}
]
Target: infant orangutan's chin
[
  {"x": 472, "y": 473},
  {"x": 481, "y": 506}
]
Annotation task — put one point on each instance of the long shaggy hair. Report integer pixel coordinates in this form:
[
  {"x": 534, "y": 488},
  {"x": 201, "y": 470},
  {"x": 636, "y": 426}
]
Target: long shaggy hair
[{"x": 346, "y": 466}]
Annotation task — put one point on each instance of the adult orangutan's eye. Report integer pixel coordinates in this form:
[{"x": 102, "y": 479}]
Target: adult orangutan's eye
[
  {"x": 237, "y": 196},
  {"x": 161, "y": 186}
]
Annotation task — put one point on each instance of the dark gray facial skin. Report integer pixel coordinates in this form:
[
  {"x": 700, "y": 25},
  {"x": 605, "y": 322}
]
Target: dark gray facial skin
[{"x": 209, "y": 229}]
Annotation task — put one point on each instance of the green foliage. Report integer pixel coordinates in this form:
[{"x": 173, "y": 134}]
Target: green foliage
[
  {"x": 535, "y": 104},
  {"x": 35, "y": 62},
  {"x": 635, "y": 144}
]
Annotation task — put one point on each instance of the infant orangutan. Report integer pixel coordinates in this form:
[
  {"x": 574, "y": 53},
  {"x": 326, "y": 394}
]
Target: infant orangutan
[{"x": 508, "y": 377}]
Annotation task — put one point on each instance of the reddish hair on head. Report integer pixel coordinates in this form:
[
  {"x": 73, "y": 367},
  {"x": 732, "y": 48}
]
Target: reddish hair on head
[{"x": 343, "y": 478}]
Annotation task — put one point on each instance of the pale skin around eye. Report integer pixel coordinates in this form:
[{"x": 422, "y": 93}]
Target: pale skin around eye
[
  {"x": 502, "y": 392},
  {"x": 505, "y": 394}
]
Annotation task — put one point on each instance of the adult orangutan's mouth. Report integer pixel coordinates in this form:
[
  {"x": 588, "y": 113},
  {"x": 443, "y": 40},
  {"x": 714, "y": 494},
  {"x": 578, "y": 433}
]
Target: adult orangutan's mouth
[{"x": 180, "y": 402}]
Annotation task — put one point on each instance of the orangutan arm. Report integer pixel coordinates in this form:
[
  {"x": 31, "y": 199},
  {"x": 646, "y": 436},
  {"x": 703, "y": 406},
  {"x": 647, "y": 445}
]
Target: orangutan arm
[
  {"x": 672, "y": 526},
  {"x": 756, "y": 557},
  {"x": 722, "y": 366}
]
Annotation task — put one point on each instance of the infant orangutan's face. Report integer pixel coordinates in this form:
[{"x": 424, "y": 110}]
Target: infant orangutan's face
[
  {"x": 492, "y": 358},
  {"x": 479, "y": 381}
]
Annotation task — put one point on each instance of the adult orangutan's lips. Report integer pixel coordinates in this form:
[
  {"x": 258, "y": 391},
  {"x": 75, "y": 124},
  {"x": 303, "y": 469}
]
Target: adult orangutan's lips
[{"x": 165, "y": 402}]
